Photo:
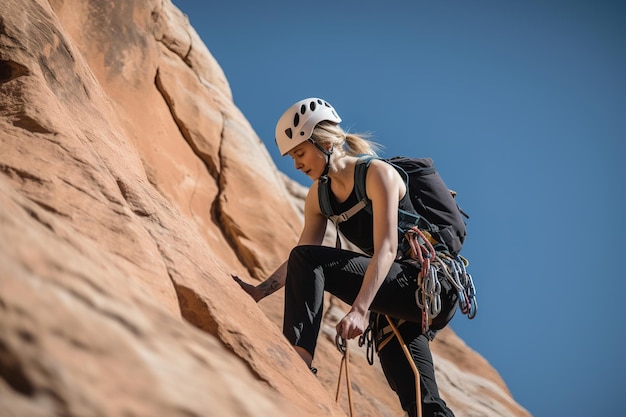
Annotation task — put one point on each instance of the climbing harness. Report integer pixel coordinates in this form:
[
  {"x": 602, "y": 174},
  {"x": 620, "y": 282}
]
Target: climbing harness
[{"x": 342, "y": 346}]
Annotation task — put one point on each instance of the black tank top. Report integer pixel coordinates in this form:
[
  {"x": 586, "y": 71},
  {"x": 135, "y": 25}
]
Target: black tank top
[{"x": 359, "y": 229}]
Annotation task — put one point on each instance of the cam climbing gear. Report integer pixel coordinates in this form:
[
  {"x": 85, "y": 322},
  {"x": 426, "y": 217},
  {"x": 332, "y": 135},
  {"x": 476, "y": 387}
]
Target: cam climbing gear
[{"x": 342, "y": 346}]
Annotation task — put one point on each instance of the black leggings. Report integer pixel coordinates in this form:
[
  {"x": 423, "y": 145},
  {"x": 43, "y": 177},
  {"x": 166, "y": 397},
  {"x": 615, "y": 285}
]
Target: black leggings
[
  {"x": 400, "y": 375},
  {"x": 311, "y": 270}
]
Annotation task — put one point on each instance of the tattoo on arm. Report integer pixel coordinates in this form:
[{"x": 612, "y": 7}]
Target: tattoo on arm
[
  {"x": 275, "y": 281},
  {"x": 269, "y": 286}
]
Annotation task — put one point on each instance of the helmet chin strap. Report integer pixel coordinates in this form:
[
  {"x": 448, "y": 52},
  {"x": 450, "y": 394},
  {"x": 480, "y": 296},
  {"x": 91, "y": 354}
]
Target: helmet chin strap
[{"x": 324, "y": 177}]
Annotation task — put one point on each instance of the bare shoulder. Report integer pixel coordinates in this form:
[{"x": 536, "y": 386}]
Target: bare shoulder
[
  {"x": 383, "y": 179},
  {"x": 314, "y": 221},
  {"x": 311, "y": 203},
  {"x": 380, "y": 170}
]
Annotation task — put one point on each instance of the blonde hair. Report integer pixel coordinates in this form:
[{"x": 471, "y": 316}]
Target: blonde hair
[{"x": 353, "y": 144}]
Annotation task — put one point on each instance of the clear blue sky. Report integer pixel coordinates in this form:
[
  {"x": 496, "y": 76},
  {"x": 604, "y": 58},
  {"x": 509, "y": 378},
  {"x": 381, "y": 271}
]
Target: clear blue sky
[{"x": 523, "y": 107}]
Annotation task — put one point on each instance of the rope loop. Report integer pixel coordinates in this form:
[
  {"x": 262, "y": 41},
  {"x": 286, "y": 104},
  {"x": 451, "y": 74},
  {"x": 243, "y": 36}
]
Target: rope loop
[{"x": 342, "y": 346}]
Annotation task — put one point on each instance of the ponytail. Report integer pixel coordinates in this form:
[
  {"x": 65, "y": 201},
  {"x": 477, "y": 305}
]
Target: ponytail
[
  {"x": 358, "y": 144},
  {"x": 353, "y": 144}
]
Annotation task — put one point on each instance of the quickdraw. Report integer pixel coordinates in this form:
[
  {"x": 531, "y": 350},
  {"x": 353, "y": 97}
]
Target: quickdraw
[
  {"x": 470, "y": 289},
  {"x": 428, "y": 293},
  {"x": 455, "y": 271},
  {"x": 367, "y": 339}
]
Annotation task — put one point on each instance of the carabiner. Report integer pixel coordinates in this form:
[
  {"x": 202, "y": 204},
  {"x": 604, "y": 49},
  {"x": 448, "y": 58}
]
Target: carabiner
[
  {"x": 341, "y": 344},
  {"x": 367, "y": 339}
]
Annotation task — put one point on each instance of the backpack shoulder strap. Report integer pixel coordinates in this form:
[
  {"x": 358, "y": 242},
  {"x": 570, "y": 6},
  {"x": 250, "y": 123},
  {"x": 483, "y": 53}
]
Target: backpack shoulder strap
[
  {"x": 323, "y": 193},
  {"x": 360, "y": 173},
  {"x": 323, "y": 196}
]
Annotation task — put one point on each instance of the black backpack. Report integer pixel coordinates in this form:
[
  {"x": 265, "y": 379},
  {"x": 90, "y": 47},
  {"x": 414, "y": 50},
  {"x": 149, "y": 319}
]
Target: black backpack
[{"x": 439, "y": 214}]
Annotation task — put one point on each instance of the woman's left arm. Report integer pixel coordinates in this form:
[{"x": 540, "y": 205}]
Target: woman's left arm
[{"x": 384, "y": 188}]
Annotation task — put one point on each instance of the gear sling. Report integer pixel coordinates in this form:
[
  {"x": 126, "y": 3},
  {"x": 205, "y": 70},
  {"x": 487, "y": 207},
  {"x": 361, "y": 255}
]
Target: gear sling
[{"x": 432, "y": 238}]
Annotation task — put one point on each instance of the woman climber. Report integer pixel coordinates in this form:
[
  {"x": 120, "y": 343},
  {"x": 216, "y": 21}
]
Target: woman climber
[{"x": 376, "y": 282}]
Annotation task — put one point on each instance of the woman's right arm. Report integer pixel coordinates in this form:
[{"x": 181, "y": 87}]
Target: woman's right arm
[{"x": 312, "y": 234}]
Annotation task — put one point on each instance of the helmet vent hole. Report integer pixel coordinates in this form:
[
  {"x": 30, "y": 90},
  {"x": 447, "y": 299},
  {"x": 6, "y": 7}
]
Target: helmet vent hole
[
  {"x": 312, "y": 106},
  {"x": 289, "y": 133},
  {"x": 296, "y": 120},
  {"x": 303, "y": 109}
]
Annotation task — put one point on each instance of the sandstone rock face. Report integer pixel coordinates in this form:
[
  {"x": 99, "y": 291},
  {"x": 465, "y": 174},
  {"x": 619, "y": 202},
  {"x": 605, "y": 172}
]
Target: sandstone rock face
[{"x": 126, "y": 201}]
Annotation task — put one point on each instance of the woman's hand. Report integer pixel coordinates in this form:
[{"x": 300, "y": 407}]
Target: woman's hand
[
  {"x": 253, "y": 291},
  {"x": 352, "y": 325}
]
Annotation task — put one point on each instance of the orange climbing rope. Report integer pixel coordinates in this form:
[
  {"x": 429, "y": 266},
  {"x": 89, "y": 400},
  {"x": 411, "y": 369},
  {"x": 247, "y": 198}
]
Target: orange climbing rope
[{"x": 342, "y": 346}]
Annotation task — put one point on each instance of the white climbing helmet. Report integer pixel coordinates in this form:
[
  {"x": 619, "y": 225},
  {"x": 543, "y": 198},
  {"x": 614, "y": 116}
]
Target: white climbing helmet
[{"x": 297, "y": 123}]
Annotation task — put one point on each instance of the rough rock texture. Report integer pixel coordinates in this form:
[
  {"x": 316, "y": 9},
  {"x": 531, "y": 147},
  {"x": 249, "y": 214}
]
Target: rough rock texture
[{"x": 127, "y": 198}]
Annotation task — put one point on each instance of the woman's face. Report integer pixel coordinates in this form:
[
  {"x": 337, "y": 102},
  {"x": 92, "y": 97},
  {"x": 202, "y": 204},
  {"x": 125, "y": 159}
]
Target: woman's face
[{"x": 308, "y": 159}]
